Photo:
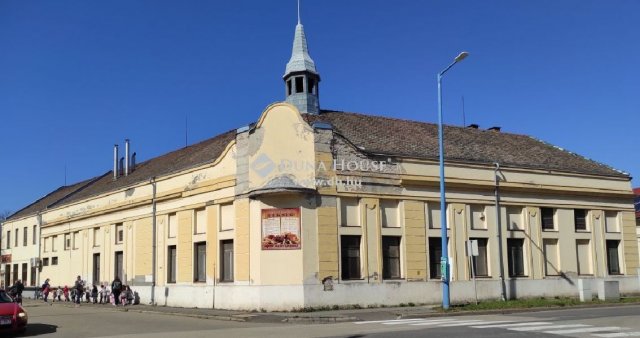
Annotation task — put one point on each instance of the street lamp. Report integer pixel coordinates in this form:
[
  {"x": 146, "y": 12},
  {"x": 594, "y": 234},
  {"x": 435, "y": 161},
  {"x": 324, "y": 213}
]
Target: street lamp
[{"x": 444, "y": 260}]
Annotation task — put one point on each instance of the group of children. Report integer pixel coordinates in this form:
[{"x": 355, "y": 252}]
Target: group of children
[{"x": 102, "y": 296}]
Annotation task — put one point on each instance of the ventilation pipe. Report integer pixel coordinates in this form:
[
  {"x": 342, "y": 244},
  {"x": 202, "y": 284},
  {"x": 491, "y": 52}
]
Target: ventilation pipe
[
  {"x": 133, "y": 162},
  {"x": 115, "y": 161},
  {"x": 121, "y": 166},
  {"x": 126, "y": 157}
]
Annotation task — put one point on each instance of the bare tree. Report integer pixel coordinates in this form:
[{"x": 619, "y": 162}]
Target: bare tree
[{"x": 4, "y": 215}]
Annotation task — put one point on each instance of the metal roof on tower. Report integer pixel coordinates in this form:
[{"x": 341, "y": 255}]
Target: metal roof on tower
[{"x": 300, "y": 59}]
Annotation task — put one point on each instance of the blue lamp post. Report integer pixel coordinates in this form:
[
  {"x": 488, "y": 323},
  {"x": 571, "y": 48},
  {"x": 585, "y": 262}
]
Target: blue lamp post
[{"x": 444, "y": 261}]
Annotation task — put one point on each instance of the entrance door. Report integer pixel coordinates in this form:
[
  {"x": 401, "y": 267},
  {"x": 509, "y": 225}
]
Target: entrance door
[
  {"x": 119, "y": 271},
  {"x": 96, "y": 268}
]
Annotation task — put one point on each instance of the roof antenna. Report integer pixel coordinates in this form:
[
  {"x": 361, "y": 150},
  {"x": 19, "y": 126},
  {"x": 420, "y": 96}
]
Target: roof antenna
[
  {"x": 464, "y": 122},
  {"x": 298, "y": 12}
]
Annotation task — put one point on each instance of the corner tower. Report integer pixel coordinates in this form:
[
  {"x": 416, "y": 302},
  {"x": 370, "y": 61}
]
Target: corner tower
[{"x": 301, "y": 77}]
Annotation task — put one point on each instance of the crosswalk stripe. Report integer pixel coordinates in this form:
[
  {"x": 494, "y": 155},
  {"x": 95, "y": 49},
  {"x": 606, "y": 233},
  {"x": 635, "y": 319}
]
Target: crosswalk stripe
[
  {"x": 389, "y": 321},
  {"x": 509, "y": 325},
  {"x": 463, "y": 323},
  {"x": 585, "y": 330},
  {"x": 542, "y": 328},
  {"x": 618, "y": 334},
  {"x": 434, "y": 321}
]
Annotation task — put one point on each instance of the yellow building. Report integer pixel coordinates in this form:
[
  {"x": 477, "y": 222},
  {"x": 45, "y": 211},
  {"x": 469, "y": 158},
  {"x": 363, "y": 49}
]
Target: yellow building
[{"x": 308, "y": 207}]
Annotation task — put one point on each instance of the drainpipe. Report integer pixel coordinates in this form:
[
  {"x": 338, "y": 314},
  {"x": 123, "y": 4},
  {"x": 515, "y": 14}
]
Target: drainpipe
[
  {"x": 153, "y": 240},
  {"x": 503, "y": 293}
]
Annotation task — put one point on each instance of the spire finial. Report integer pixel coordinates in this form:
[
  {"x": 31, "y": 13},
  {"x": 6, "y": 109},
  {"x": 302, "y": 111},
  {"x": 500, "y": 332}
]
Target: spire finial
[{"x": 298, "y": 12}]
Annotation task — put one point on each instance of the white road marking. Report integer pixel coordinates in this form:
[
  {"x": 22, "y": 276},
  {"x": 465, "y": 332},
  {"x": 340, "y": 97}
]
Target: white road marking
[
  {"x": 434, "y": 321},
  {"x": 510, "y": 325},
  {"x": 586, "y": 329},
  {"x": 463, "y": 323},
  {"x": 618, "y": 334},
  {"x": 542, "y": 328},
  {"x": 389, "y": 321}
]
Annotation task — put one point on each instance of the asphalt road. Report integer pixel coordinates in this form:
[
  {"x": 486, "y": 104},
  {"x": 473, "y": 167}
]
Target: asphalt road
[{"x": 60, "y": 321}]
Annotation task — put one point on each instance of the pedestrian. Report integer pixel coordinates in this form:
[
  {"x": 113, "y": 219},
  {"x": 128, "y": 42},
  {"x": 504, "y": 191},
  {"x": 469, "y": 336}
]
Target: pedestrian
[
  {"x": 130, "y": 297},
  {"x": 45, "y": 290},
  {"x": 65, "y": 291},
  {"x": 102, "y": 293},
  {"x": 116, "y": 288},
  {"x": 59, "y": 293},
  {"x": 123, "y": 296},
  {"x": 79, "y": 290},
  {"x": 94, "y": 294},
  {"x": 107, "y": 294},
  {"x": 16, "y": 291}
]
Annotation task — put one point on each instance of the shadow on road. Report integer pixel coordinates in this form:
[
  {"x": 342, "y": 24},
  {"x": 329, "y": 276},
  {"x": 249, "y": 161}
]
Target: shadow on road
[{"x": 36, "y": 330}]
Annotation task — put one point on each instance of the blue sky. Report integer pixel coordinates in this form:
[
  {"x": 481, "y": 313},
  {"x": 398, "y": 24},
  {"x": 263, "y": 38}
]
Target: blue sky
[{"x": 78, "y": 76}]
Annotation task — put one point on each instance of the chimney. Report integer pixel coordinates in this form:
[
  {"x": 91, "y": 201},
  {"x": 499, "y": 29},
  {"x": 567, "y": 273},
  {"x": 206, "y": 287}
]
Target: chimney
[
  {"x": 133, "y": 162},
  {"x": 115, "y": 161},
  {"x": 126, "y": 157},
  {"x": 473, "y": 126},
  {"x": 121, "y": 166},
  {"x": 496, "y": 129}
]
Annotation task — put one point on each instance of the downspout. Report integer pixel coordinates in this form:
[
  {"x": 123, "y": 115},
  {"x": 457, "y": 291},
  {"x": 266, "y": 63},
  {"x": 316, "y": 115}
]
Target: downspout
[
  {"x": 153, "y": 240},
  {"x": 503, "y": 296}
]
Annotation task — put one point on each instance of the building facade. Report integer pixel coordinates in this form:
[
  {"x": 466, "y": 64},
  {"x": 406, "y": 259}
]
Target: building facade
[{"x": 309, "y": 207}]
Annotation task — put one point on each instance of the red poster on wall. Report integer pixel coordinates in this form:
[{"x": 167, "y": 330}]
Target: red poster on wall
[
  {"x": 281, "y": 229},
  {"x": 5, "y": 258}
]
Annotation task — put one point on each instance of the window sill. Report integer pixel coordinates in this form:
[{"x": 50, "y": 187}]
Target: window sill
[
  {"x": 479, "y": 229},
  {"x": 550, "y": 230},
  {"x": 583, "y": 231},
  {"x": 353, "y": 280},
  {"x": 519, "y": 277},
  {"x": 225, "y": 282}
]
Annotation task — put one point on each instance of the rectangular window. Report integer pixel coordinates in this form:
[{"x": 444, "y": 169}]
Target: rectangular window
[
  {"x": 45, "y": 262},
  {"x": 171, "y": 264},
  {"x": 226, "y": 260},
  {"x": 435, "y": 254},
  {"x": 613, "y": 263},
  {"x": 514, "y": 218},
  {"x": 434, "y": 215},
  {"x": 312, "y": 86},
  {"x": 583, "y": 254},
  {"x": 391, "y": 257},
  {"x": 76, "y": 239},
  {"x": 481, "y": 264},
  {"x": 35, "y": 234},
  {"x": 25, "y": 271},
  {"x": 547, "y": 219},
  {"x": 96, "y": 267},
  {"x": 200, "y": 262},
  {"x": 25, "y": 234},
  {"x": 7, "y": 275},
  {"x": 227, "y": 217},
  {"x": 550, "y": 251},
  {"x": 54, "y": 239},
  {"x": 201, "y": 221},
  {"x": 15, "y": 268},
  {"x": 119, "y": 234},
  {"x": 299, "y": 84},
  {"x": 389, "y": 213},
  {"x": 8, "y": 246},
  {"x": 350, "y": 257},
  {"x": 173, "y": 225},
  {"x": 580, "y": 219},
  {"x": 289, "y": 89},
  {"x": 54, "y": 260},
  {"x": 16, "y": 242},
  {"x": 45, "y": 244},
  {"x": 515, "y": 251},
  {"x": 349, "y": 211},
  {"x": 67, "y": 241},
  {"x": 478, "y": 220},
  {"x": 611, "y": 219}
]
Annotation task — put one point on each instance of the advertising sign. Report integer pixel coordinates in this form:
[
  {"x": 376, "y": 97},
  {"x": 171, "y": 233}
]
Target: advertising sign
[
  {"x": 281, "y": 229},
  {"x": 5, "y": 258}
]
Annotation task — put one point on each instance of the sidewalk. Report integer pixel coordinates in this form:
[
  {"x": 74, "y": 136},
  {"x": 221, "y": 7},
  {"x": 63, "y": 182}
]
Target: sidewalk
[{"x": 330, "y": 316}]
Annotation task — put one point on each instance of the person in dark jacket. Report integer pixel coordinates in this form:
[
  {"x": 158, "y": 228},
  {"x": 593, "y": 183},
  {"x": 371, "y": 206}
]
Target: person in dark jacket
[
  {"x": 79, "y": 290},
  {"x": 94, "y": 294},
  {"x": 116, "y": 288}
]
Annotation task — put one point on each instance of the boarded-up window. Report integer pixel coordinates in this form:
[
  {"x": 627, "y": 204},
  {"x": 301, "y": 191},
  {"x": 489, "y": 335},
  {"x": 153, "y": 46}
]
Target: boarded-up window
[
  {"x": 434, "y": 215},
  {"x": 228, "y": 217},
  {"x": 478, "y": 220},
  {"x": 45, "y": 244},
  {"x": 389, "y": 213},
  {"x": 199, "y": 262},
  {"x": 201, "y": 221},
  {"x": 611, "y": 218},
  {"x": 171, "y": 264},
  {"x": 226, "y": 260},
  {"x": 515, "y": 252},
  {"x": 550, "y": 247},
  {"x": 173, "y": 225},
  {"x": 514, "y": 218},
  {"x": 350, "y": 257},
  {"x": 583, "y": 249},
  {"x": 97, "y": 236},
  {"x": 349, "y": 211}
]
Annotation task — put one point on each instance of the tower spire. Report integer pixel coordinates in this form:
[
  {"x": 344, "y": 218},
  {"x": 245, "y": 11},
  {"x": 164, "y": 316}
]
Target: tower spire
[{"x": 301, "y": 76}]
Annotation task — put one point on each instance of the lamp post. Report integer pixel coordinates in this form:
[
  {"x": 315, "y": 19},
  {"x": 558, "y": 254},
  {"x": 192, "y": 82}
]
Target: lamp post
[{"x": 444, "y": 261}]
